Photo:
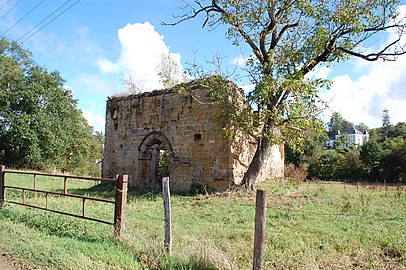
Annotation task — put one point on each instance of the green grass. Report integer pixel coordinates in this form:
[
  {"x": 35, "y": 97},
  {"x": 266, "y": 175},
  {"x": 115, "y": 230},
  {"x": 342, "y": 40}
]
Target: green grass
[{"x": 309, "y": 226}]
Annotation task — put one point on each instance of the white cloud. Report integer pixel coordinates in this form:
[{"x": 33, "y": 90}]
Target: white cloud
[
  {"x": 319, "y": 72},
  {"x": 363, "y": 99},
  {"x": 247, "y": 87},
  {"x": 322, "y": 72},
  {"x": 239, "y": 61},
  {"x": 141, "y": 50},
  {"x": 106, "y": 66},
  {"x": 380, "y": 86},
  {"x": 95, "y": 120},
  {"x": 92, "y": 84}
]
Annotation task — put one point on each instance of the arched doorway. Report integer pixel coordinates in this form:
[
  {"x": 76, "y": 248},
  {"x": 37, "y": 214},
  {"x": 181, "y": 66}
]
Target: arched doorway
[{"x": 155, "y": 158}]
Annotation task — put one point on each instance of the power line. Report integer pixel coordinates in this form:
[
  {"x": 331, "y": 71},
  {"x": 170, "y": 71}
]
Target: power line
[
  {"x": 52, "y": 20},
  {"x": 44, "y": 20},
  {"x": 23, "y": 17},
  {"x": 10, "y": 9},
  {"x": 5, "y": 4},
  {"x": 64, "y": 4}
]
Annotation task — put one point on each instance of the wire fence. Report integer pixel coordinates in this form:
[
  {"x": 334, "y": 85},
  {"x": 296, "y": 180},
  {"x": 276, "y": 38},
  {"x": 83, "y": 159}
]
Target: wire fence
[
  {"x": 283, "y": 207},
  {"x": 271, "y": 211}
]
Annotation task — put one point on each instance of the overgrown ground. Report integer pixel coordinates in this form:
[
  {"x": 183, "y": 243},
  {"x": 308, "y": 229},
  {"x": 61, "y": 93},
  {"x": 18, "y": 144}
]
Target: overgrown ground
[{"x": 309, "y": 226}]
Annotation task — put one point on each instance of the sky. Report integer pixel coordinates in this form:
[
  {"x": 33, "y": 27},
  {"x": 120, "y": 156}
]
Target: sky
[{"x": 95, "y": 44}]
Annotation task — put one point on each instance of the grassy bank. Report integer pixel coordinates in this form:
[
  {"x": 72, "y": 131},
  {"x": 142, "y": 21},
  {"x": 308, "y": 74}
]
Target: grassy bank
[{"x": 309, "y": 226}]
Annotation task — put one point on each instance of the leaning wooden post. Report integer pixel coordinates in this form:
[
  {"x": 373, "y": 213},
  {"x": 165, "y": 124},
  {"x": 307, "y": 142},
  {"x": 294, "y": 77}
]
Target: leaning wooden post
[
  {"x": 260, "y": 224},
  {"x": 2, "y": 184},
  {"x": 120, "y": 205},
  {"x": 167, "y": 213}
]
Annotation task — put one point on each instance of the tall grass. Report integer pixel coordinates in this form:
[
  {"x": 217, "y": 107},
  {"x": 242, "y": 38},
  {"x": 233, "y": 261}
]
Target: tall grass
[{"x": 309, "y": 226}]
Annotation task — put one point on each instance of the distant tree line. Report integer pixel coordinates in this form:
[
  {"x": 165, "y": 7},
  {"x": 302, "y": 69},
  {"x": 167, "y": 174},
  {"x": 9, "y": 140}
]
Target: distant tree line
[
  {"x": 382, "y": 158},
  {"x": 41, "y": 126}
]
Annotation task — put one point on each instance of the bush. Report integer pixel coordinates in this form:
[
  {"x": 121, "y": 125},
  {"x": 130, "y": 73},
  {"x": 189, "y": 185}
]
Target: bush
[
  {"x": 393, "y": 163},
  {"x": 349, "y": 165},
  {"x": 325, "y": 167},
  {"x": 295, "y": 173}
]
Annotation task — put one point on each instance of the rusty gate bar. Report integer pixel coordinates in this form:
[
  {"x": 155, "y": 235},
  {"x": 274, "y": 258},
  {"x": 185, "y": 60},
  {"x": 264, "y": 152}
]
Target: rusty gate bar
[
  {"x": 35, "y": 185},
  {"x": 84, "y": 207},
  {"x": 65, "y": 185},
  {"x": 64, "y": 195},
  {"x": 2, "y": 184},
  {"x": 119, "y": 202},
  {"x": 64, "y": 213},
  {"x": 61, "y": 175},
  {"x": 84, "y": 198}
]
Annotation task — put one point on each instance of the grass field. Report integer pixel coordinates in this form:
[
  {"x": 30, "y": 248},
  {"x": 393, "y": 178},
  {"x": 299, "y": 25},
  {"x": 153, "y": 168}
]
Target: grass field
[{"x": 309, "y": 226}]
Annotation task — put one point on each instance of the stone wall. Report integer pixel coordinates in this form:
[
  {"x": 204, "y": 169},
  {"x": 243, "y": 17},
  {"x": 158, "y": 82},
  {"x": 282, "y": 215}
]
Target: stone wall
[{"x": 139, "y": 126}]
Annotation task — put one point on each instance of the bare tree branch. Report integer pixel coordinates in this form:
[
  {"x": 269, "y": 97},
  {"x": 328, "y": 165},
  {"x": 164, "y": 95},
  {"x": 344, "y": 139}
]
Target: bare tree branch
[
  {"x": 382, "y": 54},
  {"x": 194, "y": 13}
]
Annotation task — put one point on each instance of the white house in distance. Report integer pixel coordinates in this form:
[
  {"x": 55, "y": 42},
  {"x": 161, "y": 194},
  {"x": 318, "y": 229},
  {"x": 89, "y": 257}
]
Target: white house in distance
[{"x": 355, "y": 137}]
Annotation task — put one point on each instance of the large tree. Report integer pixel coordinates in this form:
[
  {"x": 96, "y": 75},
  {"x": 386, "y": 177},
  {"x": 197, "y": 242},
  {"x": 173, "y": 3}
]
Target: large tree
[
  {"x": 41, "y": 126},
  {"x": 385, "y": 122},
  {"x": 289, "y": 39},
  {"x": 337, "y": 123}
]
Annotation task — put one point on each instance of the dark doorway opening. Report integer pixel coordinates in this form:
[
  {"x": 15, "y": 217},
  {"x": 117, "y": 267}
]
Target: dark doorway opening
[{"x": 156, "y": 155}]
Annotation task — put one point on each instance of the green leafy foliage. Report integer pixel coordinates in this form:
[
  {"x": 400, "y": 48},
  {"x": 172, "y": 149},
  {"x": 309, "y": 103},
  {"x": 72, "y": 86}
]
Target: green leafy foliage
[
  {"x": 349, "y": 166},
  {"x": 337, "y": 123},
  {"x": 385, "y": 121},
  {"x": 288, "y": 40},
  {"x": 382, "y": 158},
  {"x": 325, "y": 167},
  {"x": 41, "y": 126},
  {"x": 310, "y": 149},
  {"x": 393, "y": 162},
  {"x": 370, "y": 155},
  {"x": 164, "y": 163}
]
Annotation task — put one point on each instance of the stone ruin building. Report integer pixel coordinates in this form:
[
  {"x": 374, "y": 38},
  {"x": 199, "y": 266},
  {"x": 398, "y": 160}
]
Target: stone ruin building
[{"x": 140, "y": 127}]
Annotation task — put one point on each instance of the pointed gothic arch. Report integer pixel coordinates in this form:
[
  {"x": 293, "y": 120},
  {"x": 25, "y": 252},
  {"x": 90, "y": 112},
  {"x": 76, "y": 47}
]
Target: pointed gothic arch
[
  {"x": 150, "y": 150},
  {"x": 155, "y": 137}
]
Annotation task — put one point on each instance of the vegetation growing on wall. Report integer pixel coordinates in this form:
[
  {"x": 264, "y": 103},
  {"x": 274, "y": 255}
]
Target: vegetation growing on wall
[{"x": 288, "y": 40}]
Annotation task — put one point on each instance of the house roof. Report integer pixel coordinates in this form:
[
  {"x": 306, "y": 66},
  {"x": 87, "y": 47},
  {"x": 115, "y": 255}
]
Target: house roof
[{"x": 353, "y": 130}]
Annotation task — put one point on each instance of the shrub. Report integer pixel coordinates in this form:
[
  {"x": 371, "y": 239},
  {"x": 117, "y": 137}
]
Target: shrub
[
  {"x": 349, "y": 165},
  {"x": 295, "y": 173},
  {"x": 325, "y": 167}
]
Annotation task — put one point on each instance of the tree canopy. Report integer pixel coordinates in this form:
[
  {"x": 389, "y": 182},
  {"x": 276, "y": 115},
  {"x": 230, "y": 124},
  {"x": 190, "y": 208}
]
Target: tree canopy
[
  {"x": 288, "y": 40},
  {"x": 41, "y": 126},
  {"x": 337, "y": 123}
]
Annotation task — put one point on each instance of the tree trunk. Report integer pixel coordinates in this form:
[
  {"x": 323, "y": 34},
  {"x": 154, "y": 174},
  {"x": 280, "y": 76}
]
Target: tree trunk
[{"x": 262, "y": 153}]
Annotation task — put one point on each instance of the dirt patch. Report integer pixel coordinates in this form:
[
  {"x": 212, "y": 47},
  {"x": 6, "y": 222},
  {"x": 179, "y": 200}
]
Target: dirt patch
[{"x": 9, "y": 262}]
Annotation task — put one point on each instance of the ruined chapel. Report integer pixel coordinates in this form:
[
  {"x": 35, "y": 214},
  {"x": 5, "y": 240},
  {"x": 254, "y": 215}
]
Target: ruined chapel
[{"x": 185, "y": 126}]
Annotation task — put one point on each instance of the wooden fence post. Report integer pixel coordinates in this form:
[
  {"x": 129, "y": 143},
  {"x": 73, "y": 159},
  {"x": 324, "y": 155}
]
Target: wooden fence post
[
  {"x": 120, "y": 205},
  {"x": 260, "y": 224},
  {"x": 167, "y": 213},
  {"x": 65, "y": 185},
  {"x": 2, "y": 184}
]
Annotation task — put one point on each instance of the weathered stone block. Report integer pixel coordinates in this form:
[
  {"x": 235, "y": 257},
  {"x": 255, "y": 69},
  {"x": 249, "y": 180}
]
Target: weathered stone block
[{"x": 139, "y": 127}]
